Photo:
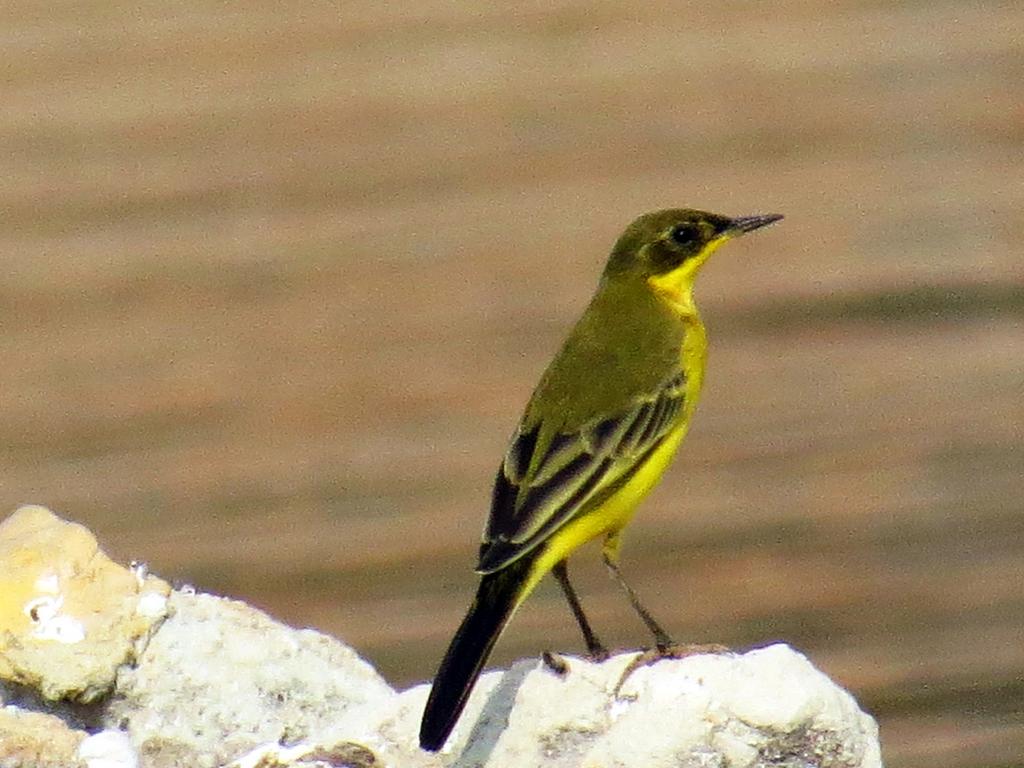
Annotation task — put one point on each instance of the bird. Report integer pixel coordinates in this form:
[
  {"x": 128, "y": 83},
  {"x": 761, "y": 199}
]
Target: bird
[{"x": 601, "y": 427}]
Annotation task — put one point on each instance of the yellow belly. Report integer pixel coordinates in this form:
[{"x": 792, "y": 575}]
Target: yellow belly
[{"x": 610, "y": 517}]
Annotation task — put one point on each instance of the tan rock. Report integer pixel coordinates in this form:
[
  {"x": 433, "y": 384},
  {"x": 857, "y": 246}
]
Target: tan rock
[
  {"x": 69, "y": 615},
  {"x": 35, "y": 739}
]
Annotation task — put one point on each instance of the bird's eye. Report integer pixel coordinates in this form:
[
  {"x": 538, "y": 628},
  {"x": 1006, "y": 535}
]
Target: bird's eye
[{"x": 684, "y": 234}]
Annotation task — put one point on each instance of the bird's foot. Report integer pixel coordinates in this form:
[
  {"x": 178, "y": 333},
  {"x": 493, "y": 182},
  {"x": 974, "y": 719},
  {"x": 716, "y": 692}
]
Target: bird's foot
[
  {"x": 555, "y": 662},
  {"x": 649, "y": 656}
]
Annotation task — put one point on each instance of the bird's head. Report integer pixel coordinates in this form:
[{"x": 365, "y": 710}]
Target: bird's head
[{"x": 667, "y": 248}]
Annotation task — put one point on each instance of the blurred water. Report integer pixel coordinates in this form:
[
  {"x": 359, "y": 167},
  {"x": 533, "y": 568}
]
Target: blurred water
[{"x": 275, "y": 289}]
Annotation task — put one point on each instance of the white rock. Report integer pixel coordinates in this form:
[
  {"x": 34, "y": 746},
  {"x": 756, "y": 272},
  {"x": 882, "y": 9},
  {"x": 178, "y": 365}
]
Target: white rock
[
  {"x": 765, "y": 707},
  {"x": 221, "y": 678},
  {"x": 221, "y": 683},
  {"x": 108, "y": 749}
]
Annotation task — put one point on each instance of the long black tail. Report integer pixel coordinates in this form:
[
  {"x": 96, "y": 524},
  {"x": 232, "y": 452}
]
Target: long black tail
[{"x": 496, "y": 599}]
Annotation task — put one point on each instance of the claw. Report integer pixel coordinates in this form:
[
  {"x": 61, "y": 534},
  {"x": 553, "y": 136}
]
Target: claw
[
  {"x": 650, "y": 656},
  {"x": 555, "y": 663}
]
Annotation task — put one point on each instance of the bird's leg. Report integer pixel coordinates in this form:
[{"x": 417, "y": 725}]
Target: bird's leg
[
  {"x": 611, "y": 558},
  {"x": 665, "y": 648},
  {"x": 595, "y": 648}
]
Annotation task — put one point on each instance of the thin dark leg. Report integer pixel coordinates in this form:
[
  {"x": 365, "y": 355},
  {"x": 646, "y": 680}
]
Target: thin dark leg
[
  {"x": 661, "y": 637},
  {"x": 595, "y": 648}
]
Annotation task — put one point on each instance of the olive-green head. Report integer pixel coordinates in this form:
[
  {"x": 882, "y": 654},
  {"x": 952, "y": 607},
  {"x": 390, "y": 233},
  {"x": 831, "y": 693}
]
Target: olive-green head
[{"x": 669, "y": 247}]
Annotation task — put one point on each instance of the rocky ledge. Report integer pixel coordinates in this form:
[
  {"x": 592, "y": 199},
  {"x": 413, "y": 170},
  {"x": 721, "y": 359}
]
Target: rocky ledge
[{"x": 107, "y": 667}]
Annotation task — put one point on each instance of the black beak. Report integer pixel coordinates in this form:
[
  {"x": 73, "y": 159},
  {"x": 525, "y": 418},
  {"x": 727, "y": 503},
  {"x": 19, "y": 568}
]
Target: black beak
[{"x": 743, "y": 224}]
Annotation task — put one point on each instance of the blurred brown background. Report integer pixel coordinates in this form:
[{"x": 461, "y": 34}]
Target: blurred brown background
[{"x": 277, "y": 279}]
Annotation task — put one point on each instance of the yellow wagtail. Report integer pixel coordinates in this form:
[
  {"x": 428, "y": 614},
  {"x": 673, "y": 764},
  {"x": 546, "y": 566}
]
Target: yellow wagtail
[{"x": 602, "y": 426}]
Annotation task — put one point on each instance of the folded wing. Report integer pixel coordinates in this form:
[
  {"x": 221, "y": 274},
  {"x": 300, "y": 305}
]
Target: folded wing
[{"x": 550, "y": 476}]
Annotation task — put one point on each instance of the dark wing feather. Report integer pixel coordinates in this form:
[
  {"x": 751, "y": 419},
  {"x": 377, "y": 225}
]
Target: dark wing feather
[{"x": 545, "y": 480}]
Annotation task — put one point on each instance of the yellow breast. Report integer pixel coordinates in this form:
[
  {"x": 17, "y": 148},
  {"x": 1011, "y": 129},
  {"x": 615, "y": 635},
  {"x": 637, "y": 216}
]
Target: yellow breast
[{"x": 618, "y": 509}]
